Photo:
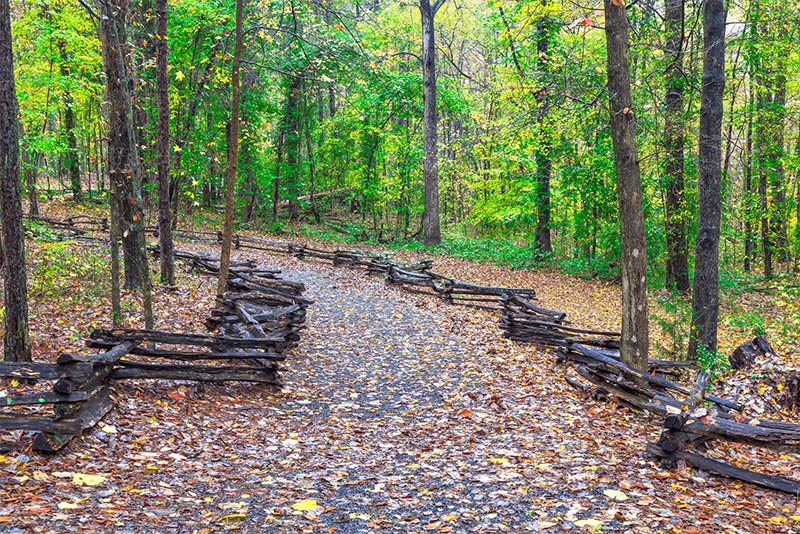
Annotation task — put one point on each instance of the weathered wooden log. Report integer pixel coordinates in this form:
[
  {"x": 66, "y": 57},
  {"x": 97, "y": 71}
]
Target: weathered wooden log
[
  {"x": 653, "y": 379},
  {"x": 110, "y": 356},
  {"x": 197, "y": 373},
  {"x": 191, "y": 356},
  {"x": 155, "y": 336},
  {"x": 746, "y": 353},
  {"x": 43, "y": 397},
  {"x": 625, "y": 391},
  {"x": 45, "y": 371},
  {"x": 773, "y": 482},
  {"x": 86, "y": 416}
]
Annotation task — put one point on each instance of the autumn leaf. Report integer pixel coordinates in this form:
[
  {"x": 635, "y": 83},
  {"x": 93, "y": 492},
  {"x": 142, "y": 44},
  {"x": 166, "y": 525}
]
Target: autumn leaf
[
  {"x": 87, "y": 480},
  {"x": 615, "y": 494},
  {"x": 306, "y": 505},
  {"x": 591, "y": 523},
  {"x": 232, "y": 518}
]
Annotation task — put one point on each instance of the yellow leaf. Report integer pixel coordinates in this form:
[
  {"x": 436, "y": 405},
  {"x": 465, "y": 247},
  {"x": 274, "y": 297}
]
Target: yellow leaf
[
  {"x": 498, "y": 460},
  {"x": 778, "y": 519},
  {"x": 179, "y": 75},
  {"x": 87, "y": 480},
  {"x": 14, "y": 382},
  {"x": 593, "y": 523},
  {"x": 615, "y": 494},
  {"x": 365, "y": 517},
  {"x": 794, "y": 517},
  {"x": 232, "y": 518},
  {"x": 67, "y": 506},
  {"x": 306, "y": 505}
]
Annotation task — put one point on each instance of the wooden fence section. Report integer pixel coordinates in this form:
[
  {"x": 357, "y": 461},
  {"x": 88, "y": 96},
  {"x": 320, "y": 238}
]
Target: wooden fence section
[
  {"x": 79, "y": 397},
  {"x": 259, "y": 318}
]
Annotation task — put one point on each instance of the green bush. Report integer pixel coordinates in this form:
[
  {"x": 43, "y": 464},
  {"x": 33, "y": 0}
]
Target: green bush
[{"x": 59, "y": 269}]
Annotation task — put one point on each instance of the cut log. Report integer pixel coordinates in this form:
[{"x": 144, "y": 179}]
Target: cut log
[{"x": 746, "y": 353}]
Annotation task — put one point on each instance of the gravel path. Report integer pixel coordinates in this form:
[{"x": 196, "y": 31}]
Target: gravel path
[{"x": 399, "y": 414}]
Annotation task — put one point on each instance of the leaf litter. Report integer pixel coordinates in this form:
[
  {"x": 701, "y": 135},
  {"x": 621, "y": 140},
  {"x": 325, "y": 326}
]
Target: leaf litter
[{"x": 399, "y": 414}]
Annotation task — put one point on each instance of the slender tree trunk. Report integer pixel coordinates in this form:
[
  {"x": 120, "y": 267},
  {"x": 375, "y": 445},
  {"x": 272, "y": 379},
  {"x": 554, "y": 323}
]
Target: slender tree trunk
[
  {"x": 162, "y": 163},
  {"x": 123, "y": 154},
  {"x": 430, "y": 216},
  {"x": 634, "y": 344},
  {"x": 233, "y": 156},
  {"x": 123, "y": 159},
  {"x": 71, "y": 157},
  {"x": 17, "y": 345},
  {"x": 676, "y": 216},
  {"x": 544, "y": 163},
  {"x": 31, "y": 164},
  {"x": 705, "y": 294},
  {"x": 747, "y": 187}
]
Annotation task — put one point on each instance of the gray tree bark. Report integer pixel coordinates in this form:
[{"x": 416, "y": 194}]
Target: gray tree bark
[
  {"x": 676, "y": 216},
  {"x": 430, "y": 217},
  {"x": 705, "y": 293},
  {"x": 233, "y": 156},
  {"x": 634, "y": 344},
  {"x": 17, "y": 346}
]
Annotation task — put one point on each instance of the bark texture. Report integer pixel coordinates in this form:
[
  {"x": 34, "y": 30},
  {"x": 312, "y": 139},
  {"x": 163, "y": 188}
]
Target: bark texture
[
  {"x": 430, "y": 216},
  {"x": 17, "y": 346},
  {"x": 123, "y": 153},
  {"x": 162, "y": 162},
  {"x": 705, "y": 294},
  {"x": 233, "y": 156},
  {"x": 634, "y": 341},
  {"x": 675, "y": 201}
]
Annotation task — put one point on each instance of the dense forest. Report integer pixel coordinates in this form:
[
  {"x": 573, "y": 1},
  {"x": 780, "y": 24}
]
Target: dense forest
[
  {"x": 332, "y": 117},
  {"x": 389, "y": 119}
]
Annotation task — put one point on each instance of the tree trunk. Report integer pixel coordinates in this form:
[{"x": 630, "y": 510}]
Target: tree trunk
[
  {"x": 705, "y": 294},
  {"x": 676, "y": 211},
  {"x": 71, "y": 157},
  {"x": 233, "y": 156},
  {"x": 31, "y": 161},
  {"x": 634, "y": 341},
  {"x": 162, "y": 163},
  {"x": 544, "y": 164},
  {"x": 747, "y": 188},
  {"x": 430, "y": 216},
  {"x": 123, "y": 158},
  {"x": 17, "y": 345}
]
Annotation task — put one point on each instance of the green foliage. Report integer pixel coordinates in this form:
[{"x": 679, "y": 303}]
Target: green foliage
[
  {"x": 58, "y": 268},
  {"x": 714, "y": 363},
  {"x": 671, "y": 317}
]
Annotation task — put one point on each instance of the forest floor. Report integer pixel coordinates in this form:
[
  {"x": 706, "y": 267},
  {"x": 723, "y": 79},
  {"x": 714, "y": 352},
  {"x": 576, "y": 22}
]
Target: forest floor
[{"x": 399, "y": 413}]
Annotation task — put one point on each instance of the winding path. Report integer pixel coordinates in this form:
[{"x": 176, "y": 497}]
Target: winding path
[{"x": 399, "y": 414}]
